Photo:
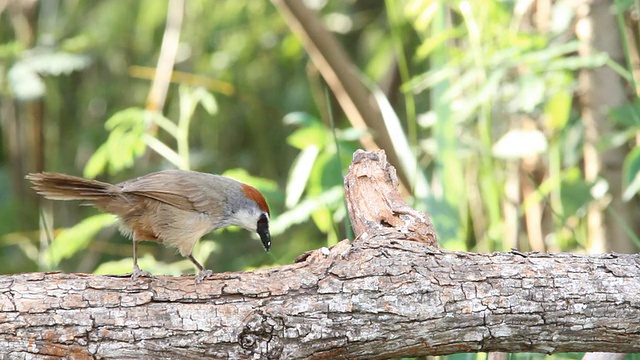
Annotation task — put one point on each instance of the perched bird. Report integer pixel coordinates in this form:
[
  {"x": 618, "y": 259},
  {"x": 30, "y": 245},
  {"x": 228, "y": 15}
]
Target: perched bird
[{"x": 173, "y": 207}]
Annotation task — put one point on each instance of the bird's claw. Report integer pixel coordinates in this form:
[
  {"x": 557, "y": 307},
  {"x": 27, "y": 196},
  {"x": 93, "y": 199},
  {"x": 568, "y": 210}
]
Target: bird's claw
[
  {"x": 137, "y": 272},
  {"x": 203, "y": 274}
]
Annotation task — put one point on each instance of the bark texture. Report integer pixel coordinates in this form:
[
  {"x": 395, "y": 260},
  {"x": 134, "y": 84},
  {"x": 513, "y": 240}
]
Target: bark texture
[
  {"x": 367, "y": 300},
  {"x": 381, "y": 296},
  {"x": 375, "y": 206}
]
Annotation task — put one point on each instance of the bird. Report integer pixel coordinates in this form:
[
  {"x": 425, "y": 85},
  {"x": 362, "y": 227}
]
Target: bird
[{"x": 172, "y": 207}]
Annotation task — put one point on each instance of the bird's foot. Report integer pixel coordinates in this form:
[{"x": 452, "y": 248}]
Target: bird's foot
[
  {"x": 137, "y": 272},
  {"x": 203, "y": 274}
]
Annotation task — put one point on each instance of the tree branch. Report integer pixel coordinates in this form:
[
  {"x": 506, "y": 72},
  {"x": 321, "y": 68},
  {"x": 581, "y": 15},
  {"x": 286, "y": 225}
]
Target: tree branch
[
  {"x": 381, "y": 296},
  {"x": 341, "y": 75}
]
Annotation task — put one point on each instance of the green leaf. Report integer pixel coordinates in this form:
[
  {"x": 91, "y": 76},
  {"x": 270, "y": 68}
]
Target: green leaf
[
  {"x": 69, "y": 241},
  {"x": 124, "y": 144},
  {"x": 578, "y": 62},
  {"x": 625, "y": 5},
  {"x": 445, "y": 218},
  {"x": 436, "y": 41},
  {"x": 550, "y": 54},
  {"x": 323, "y": 219},
  {"x": 575, "y": 193},
  {"x": 400, "y": 142},
  {"x": 486, "y": 93},
  {"x": 11, "y": 49},
  {"x": 429, "y": 79},
  {"x": 464, "y": 85},
  {"x": 531, "y": 92},
  {"x": 558, "y": 109},
  {"x": 308, "y": 136},
  {"x": 96, "y": 163},
  {"x": 627, "y": 115},
  {"x": 300, "y": 118},
  {"x": 125, "y": 118},
  {"x": 303, "y": 210},
  {"x": 423, "y": 12},
  {"x": 326, "y": 173},
  {"x": 206, "y": 99},
  {"x": 631, "y": 174},
  {"x": 299, "y": 175}
]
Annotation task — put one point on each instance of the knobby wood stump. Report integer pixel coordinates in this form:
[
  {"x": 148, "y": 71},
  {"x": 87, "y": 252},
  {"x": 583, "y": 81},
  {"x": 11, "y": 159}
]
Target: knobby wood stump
[{"x": 389, "y": 293}]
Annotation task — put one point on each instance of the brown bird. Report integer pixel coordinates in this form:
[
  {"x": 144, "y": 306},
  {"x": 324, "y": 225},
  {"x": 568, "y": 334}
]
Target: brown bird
[{"x": 173, "y": 207}]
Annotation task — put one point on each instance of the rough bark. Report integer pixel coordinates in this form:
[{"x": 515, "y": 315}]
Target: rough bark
[
  {"x": 375, "y": 205},
  {"x": 381, "y": 296},
  {"x": 372, "y": 299}
]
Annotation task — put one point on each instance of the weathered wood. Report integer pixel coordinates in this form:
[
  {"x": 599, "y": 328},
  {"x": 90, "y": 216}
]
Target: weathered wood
[
  {"x": 381, "y": 296},
  {"x": 375, "y": 206},
  {"x": 367, "y": 300}
]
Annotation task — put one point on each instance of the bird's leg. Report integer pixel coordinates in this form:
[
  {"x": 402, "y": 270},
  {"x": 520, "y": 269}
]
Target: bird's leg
[
  {"x": 136, "y": 269},
  {"x": 202, "y": 272}
]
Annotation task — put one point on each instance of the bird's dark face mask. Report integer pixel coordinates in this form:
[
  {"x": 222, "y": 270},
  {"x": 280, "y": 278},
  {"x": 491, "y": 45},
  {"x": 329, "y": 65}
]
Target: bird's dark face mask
[{"x": 263, "y": 231}]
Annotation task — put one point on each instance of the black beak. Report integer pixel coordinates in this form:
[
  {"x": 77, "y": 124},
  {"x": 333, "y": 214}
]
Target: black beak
[{"x": 263, "y": 231}]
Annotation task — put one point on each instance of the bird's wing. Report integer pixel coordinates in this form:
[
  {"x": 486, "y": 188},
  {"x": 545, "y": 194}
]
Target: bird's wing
[{"x": 186, "y": 190}]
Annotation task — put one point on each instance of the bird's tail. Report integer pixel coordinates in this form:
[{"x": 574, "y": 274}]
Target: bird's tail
[{"x": 57, "y": 186}]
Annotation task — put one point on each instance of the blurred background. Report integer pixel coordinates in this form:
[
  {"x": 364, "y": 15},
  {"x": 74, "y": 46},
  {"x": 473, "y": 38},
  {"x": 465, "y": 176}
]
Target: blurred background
[{"x": 513, "y": 123}]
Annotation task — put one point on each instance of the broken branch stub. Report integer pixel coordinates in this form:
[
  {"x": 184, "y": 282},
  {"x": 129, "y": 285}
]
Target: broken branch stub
[{"x": 375, "y": 206}]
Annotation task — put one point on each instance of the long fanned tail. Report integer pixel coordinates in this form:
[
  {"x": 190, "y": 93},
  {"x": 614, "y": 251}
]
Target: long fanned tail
[{"x": 57, "y": 186}]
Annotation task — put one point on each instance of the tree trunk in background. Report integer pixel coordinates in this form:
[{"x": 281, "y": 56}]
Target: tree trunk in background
[
  {"x": 23, "y": 121},
  {"x": 601, "y": 89},
  {"x": 356, "y": 100}
]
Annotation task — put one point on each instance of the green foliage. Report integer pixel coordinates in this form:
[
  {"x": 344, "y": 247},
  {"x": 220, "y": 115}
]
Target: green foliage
[
  {"x": 483, "y": 92},
  {"x": 575, "y": 193},
  {"x": 130, "y": 133},
  {"x": 481, "y": 88},
  {"x": 627, "y": 118},
  {"x": 69, "y": 241},
  {"x": 631, "y": 172},
  {"x": 317, "y": 173},
  {"x": 125, "y": 143}
]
